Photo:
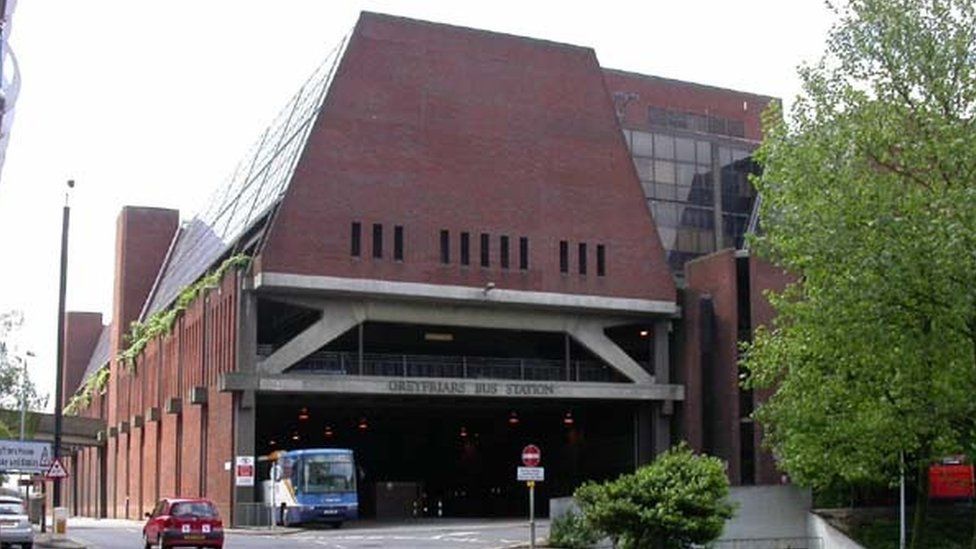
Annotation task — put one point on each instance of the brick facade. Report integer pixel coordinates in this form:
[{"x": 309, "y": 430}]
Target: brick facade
[{"x": 430, "y": 128}]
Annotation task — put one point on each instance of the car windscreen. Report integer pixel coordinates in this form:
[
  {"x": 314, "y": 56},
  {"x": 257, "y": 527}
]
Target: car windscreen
[
  {"x": 328, "y": 473},
  {"x": 198, "y": 509},
  {"x": 11, "y": 509}
]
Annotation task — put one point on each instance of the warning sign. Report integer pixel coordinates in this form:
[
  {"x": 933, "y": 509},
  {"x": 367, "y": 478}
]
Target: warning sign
[
  {"x": 244, "y": 471},
  {"x": 56, "y": 470}
]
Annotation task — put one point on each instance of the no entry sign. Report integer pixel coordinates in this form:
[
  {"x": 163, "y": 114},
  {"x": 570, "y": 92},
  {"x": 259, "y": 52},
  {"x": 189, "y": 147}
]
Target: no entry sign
[{"x": 531, "y": 455}]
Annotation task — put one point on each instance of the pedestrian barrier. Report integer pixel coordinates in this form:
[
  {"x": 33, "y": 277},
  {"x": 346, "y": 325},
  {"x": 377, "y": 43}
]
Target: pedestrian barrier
[
  {"x": 769, "y": 543},
  {"x": 252, "y": 514}
]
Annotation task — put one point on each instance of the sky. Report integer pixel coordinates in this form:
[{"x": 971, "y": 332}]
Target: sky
[{"x": 154, "y": 103}]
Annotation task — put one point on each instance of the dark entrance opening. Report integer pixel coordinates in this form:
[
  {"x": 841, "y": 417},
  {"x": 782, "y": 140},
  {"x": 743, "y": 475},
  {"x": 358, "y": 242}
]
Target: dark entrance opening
[{"x": 453, "y": 457}]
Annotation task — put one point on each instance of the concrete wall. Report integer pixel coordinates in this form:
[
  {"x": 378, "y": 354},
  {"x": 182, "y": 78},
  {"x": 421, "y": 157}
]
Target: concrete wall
[
  {"x": 830, "y": 537},
  {"x": 768, "y": 512}
]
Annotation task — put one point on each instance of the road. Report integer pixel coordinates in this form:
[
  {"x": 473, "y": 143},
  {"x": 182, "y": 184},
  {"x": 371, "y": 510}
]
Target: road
[{"x": 473, "y": 533}]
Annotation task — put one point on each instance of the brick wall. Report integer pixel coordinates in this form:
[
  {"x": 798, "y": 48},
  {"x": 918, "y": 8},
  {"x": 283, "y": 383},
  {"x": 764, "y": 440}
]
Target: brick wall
[
  {"x": 715, "y": 276},
  {"x": 81, "y": 331},
  {"x": 434, "y": 127}
]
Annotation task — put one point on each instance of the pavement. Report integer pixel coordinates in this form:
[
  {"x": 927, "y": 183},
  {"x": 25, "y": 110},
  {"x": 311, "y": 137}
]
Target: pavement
[{"x": 409, "y": 534}]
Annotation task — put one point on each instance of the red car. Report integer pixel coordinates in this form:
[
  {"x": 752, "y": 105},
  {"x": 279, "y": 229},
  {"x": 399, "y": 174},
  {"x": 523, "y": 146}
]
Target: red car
[{"x": 183, "y": 522}]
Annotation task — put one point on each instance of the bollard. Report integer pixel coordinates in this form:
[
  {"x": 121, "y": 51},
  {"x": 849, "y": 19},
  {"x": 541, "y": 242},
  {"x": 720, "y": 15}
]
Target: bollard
[{"x": 60, "y": 522}]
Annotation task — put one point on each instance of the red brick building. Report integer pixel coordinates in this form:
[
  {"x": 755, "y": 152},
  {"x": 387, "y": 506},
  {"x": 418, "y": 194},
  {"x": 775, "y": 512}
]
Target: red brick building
[{"x": 450, "y": 252}]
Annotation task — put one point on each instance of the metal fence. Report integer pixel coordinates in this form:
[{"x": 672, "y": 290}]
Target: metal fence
[
  {"x": 769, "y": 543},
  {"x": 470, "y": 367},
  {"x": 252, "y": 514}
]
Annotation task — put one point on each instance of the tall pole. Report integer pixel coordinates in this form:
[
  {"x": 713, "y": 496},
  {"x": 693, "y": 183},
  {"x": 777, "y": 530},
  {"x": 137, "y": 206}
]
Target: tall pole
[
  {"x": 58, "y": 389},
  {"x": 531, "y": 484},
  {"x": 23, "y": 396},
  {"x": 901, "y": 504}
]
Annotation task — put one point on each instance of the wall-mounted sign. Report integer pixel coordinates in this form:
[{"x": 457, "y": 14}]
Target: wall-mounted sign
[
  {"x": 471, "y": 388},
  {"x": 244, "y": 471}
]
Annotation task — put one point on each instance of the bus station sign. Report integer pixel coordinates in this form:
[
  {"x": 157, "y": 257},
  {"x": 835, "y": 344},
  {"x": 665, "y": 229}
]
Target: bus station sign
[{"x": 24, "y": 456}]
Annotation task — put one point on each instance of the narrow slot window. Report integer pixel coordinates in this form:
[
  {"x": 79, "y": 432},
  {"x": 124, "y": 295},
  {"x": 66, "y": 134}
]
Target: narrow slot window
[
  {"x": 563, "y": 256},
  {"x": 445, "y": 247},
  {"x": 523, "y": 253},
  {"x": 485, "y": 250},
  {"x": 582, "y": 258},
  {"x": 503, "y": 251},
  {"x": 601, "y": 260},
  {"x": 465, "y": 249},
  {"x": 377, "y": 240},
  {"x": 355, "y": 239},
  {"x": 398, "y": 243}
]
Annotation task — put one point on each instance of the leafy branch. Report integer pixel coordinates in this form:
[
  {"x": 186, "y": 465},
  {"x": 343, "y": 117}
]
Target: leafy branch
[
  {"x": 158, "y": 324},
  {"x": 161, "y": 322}
]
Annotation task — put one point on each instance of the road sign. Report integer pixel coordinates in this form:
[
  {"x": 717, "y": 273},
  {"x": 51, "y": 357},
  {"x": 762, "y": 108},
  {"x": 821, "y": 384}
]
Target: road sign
[
  {"x": 56, "y": 470},
  {"x": 24, "y": 457},
  {"x": 244, "y": 471},
  {"x": 531, "y": 455},
  {"x": 531, "y": 474}
]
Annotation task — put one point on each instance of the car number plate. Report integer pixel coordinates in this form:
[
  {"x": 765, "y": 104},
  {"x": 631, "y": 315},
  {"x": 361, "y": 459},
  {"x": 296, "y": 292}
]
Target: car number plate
[{"x": 193, "y": 537}]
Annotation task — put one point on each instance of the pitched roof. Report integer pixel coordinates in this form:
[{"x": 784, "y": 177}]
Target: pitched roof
[
  {"x": 256, "y": 184},
  {"x": 100, "y": 355}
]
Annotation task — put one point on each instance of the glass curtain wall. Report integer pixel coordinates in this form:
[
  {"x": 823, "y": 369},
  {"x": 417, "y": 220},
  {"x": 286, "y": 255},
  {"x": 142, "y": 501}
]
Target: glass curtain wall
[{"x": 676, "y": 173}]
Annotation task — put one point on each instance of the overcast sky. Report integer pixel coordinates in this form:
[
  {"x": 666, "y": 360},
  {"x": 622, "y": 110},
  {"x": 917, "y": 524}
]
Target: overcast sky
[{"x": 153, "y": 103}]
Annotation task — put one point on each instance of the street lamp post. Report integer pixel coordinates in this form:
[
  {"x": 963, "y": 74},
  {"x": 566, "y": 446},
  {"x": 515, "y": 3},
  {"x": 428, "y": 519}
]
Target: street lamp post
[
  {"x": 59, "y": 390},
  {"x": 23, "y": 395}
]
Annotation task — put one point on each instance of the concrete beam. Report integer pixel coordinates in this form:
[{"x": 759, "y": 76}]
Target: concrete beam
[
  {"x": 335, "y": 321},
  {"x": 447, "y": 387},
  {"x": 591, "y": 336},
  {"x": 359, "y": 287}
]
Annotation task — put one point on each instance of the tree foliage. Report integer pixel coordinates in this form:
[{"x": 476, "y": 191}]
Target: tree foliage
[
  {"x": 869, "y": 194},
  {"x": 677, "y": 501},
  {"x": 12, "y": 361},
  {"x": 572, "y": 531}
]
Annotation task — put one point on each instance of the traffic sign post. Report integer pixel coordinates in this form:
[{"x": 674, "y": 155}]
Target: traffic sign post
[{"x": 531, "y": 473}]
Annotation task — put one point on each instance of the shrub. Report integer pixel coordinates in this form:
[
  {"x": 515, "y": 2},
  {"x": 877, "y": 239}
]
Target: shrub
[
  {"x": 571, "y": 531},
  {"x": 677, "y": 501}
]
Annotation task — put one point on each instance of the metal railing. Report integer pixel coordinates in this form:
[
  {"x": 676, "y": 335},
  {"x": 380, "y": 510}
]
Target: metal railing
[
  {"x": 453, "y": 366},
  {"x": 769, "y": 543},
  {"x": 252, "y": 514}
]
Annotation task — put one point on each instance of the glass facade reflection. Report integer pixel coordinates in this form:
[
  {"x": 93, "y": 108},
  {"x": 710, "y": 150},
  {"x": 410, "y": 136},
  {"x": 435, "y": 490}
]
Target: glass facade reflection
[{"x": 676, "y": 170}]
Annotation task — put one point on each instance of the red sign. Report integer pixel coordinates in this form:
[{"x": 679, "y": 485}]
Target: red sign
[
  {"x": 531, "y": 455},
  {"x": 951, "y": 481}
]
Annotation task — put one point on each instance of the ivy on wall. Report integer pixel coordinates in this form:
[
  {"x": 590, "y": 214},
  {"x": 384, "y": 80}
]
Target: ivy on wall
[{"x": 156, "y": 325}]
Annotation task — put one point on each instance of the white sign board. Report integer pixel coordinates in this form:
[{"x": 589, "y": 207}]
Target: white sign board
[
  {"x": 537, "y": 474},
  {"x": 24, "y": 457},
  {"x": 244, "y": 471}
]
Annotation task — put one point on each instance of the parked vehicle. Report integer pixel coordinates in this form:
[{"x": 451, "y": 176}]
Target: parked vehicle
[
  {"x": 312, "y": 485},
  {"x": 183, "y": 522},
  {"x": 15, "y": 529}
]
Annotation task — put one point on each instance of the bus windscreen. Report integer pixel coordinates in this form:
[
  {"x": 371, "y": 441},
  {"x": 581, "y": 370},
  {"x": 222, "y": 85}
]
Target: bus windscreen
[{"x": 329, "y": 474}]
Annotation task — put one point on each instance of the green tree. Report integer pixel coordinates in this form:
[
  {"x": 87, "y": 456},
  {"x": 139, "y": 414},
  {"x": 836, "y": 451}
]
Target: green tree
[
  {"x": 869, "y": 194},
  {"x": 677, "y": 501},
  {"x": 12, "y": 376}
]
